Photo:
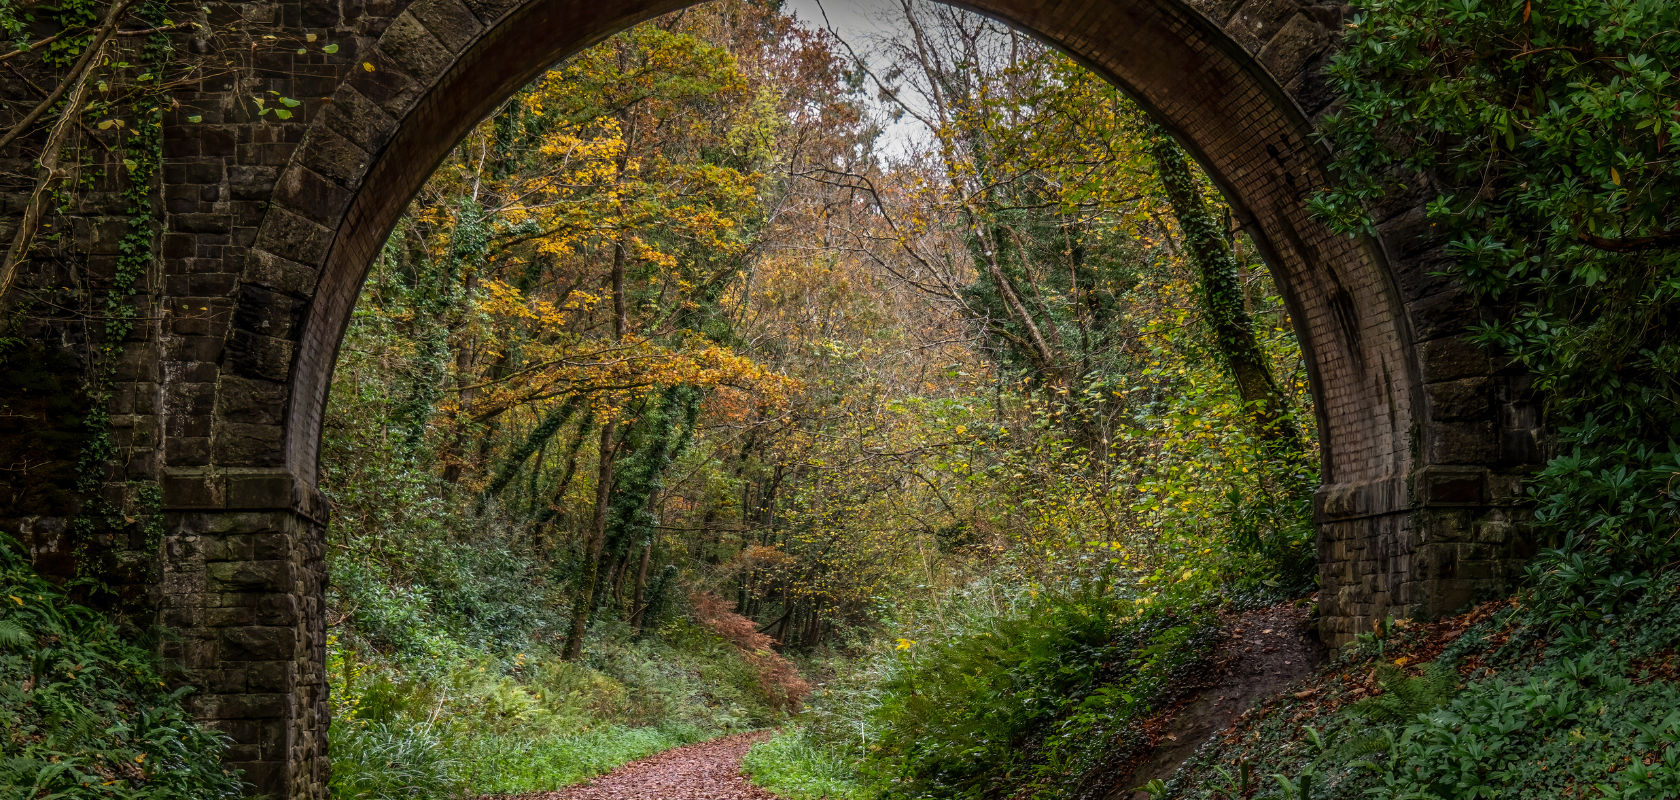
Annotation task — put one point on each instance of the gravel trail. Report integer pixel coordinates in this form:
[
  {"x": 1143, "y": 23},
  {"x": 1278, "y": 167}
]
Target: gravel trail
[{"x": 705, "y": 771}]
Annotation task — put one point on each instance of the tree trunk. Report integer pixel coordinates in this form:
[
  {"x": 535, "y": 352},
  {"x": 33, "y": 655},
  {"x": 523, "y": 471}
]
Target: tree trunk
[
  {"x": 1221, "y": 296},
  {"x": 76, "y": 84},
  {"x": 637, "y": 605},
  {"x": 584, "y": 602}
]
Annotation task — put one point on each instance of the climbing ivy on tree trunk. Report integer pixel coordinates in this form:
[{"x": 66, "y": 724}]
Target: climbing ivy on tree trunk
[{"x": 1221, "y": 296}]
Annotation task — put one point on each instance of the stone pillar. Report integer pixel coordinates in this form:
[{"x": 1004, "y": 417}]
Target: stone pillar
[
  {"x": 243, "y": 592},
  {"x": 1457, "y": 530}
]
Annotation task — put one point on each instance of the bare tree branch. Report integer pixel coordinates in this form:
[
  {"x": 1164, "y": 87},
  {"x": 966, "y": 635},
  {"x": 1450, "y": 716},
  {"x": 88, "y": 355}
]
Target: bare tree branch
[
  {"x": 78, "y": 73},
  {"x": 35, "y": 46}
]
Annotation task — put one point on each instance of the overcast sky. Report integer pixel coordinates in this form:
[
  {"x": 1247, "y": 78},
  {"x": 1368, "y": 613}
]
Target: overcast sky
[{"x": 857, "y": 21}]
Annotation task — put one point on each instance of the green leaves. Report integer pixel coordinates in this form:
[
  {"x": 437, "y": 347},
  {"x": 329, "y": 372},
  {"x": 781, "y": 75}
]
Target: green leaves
[
  {"x": 284, "y": 112},
  {"x": 1552, "y": 124},
  {"x": 1040, "y": 691},
  {"x": 82, "y": 709}
]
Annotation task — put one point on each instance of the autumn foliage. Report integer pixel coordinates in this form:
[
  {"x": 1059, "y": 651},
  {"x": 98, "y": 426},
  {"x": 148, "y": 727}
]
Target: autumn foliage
[{"x": 779, "y": 677}]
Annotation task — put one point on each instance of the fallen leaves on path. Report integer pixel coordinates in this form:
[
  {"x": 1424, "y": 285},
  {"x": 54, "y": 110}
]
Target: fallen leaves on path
[{"x": 705, "y": 771}]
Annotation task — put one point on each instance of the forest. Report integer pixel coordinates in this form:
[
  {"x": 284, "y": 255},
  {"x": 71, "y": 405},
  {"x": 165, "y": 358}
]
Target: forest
[
  {"x": 906, "y": 398},
  {"x": 675, "y": 406}
]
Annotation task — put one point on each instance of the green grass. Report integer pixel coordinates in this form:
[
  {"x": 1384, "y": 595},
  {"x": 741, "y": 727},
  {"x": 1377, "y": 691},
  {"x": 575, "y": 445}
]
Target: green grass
[
  {"x": 442, "y": 728},
  {"x": 513, "y": 764},
  {"x": 794, "y": 766},
  {"x": 386, "y": 760}
]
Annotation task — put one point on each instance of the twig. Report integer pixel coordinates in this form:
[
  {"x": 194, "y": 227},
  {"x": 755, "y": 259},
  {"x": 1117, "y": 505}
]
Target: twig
[
  {"x": 1661, "y": 241},
  {"x": 35, "y": 87},
  {"x": 33, "y": 47},
  {"x": 179, "y": 26},
  {"x": 78, "y": 75}
]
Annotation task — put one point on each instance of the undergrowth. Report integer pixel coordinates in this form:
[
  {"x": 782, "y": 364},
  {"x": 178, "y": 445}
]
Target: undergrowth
[
  {"x": 799, "y": 766},
  {"x": 998, "y": 690},
  {"x": 1491, "y": 703},
  {"x": 473, "y": 722},
  {"x": 85, "y": 711}
]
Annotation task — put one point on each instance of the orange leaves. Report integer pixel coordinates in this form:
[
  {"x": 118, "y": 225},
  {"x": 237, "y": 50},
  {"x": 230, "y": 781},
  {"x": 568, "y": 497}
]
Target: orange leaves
[{"x": 776, "y": 675}]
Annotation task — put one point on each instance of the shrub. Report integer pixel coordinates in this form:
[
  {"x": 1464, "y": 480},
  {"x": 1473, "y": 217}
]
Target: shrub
[
  {"x": 388, "y": 759},
  {"x": 796, "y": 765},
  {"x": 777, "y": 676},
  {"x": 1041, "y": 695},
  {"x": 84, "y": 711}
]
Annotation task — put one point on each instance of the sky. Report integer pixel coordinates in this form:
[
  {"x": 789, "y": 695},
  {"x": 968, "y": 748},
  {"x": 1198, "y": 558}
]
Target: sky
[{"x": 856, "y": 21}]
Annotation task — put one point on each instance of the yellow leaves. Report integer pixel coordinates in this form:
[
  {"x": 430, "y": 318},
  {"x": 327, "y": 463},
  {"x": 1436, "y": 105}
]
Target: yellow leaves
[
  {"x": 563, "y": 362},
  {"x": 905, "y": 644},
  {"x": 504, "y": 300}
]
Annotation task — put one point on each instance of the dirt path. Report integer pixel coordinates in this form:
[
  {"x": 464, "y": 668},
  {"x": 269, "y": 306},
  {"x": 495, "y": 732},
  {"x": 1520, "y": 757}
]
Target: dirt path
[
  {"x": 1268, "y": 649},
  {"x": 705, "y": 771}
]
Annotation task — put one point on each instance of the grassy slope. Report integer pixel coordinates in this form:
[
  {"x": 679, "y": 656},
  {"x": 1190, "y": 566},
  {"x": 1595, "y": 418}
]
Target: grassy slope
[
  {"x": 1477, "y": 705},
  {"x": 406, "y": 726}
]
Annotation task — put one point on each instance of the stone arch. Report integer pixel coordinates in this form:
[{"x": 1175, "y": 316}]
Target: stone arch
[{"x": 273, "y": 226}]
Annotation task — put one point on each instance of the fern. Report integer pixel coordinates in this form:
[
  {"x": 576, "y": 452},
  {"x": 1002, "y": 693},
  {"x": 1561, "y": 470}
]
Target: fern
[
  {"x": 83, "y": 711},
  {"x": 13, "y": 635},
  {"x": 1404, "y": 696}
]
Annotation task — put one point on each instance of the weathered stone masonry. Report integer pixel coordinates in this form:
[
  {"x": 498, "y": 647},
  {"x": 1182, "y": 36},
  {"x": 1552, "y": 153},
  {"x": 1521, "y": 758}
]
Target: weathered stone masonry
[{"x": 271, "y": 226}]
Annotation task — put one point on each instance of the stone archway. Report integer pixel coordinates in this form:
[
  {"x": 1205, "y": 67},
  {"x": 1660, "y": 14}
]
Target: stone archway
[{"x": 272, "y": 227}]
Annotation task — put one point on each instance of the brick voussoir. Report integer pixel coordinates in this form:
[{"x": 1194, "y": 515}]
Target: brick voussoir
[
  {"x": 317, "y": 198},
  {"x": 332, "y": 156},
  {"x": 358, "y": 119},
  {"x": 387, "y": 85},
  {"x": 291, "y": 235},
  {"x": 263, "y": 268}
]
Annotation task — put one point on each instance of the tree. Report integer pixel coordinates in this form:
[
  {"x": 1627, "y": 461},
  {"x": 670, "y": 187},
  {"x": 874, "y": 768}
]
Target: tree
[{"x": 1222, "y": 301}]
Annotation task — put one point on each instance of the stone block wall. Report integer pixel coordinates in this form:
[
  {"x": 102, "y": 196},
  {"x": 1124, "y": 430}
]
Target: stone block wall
[{"x": 244, "y": 592}]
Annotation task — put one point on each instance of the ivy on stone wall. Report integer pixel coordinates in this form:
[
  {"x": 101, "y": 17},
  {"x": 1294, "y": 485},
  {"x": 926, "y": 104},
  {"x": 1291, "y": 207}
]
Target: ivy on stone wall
[
  {"x": 104, "y": 115},
  {"x": 141, "y": 159}
]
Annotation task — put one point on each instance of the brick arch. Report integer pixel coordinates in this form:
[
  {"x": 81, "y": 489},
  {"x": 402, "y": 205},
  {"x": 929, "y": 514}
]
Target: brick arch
[{"x": 276, "y": 224}]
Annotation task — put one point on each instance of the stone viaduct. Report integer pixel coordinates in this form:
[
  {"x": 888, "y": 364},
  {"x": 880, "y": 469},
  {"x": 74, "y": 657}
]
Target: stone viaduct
[{"x": 271, "y": 224}]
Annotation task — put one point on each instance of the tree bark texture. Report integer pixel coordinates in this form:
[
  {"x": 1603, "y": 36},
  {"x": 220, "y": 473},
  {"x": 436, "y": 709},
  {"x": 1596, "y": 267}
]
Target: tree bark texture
[{"x": 584, "y": 602}]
